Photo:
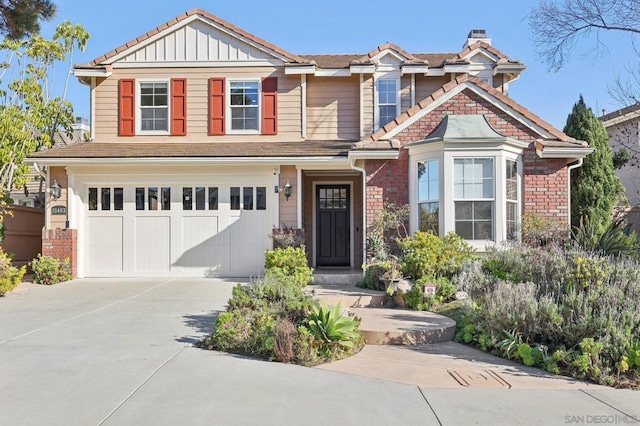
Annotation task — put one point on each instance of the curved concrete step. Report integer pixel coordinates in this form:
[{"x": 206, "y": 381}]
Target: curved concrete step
[
  {"x": 348, "y": 296},
  {"x": 403, "y": 327}
]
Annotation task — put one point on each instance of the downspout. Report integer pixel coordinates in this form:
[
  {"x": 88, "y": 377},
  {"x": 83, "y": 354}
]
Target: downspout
[
  {"x": 571, "y": 167},
  {"x": 352, "y": 165}
]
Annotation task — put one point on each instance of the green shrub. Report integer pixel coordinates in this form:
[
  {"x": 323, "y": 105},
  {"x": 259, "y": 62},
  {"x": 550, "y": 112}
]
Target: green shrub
[
  {"x": 577, "y": 311},
  {"x": 49, "y": 270},
  {"x": 290, "y": 264},
  {"x": 540, "y": 231},
  {"x": 372, "y": 278},
  {"x": 415, "y": 297},
  {"x": 10, "y": 276},
  {"x": 425, "y": 254},
  {"x": 271, "y": 318}
]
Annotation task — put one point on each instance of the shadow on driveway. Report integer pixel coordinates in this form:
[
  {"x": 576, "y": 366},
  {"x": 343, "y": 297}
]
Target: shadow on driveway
[{"x": 202, "y": 326}]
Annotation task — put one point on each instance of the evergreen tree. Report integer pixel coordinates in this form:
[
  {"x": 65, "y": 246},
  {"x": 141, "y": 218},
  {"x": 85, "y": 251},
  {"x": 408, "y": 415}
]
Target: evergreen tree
[
  {"x": 594, "y": 186},
  {"x": 21, "y": 18}
]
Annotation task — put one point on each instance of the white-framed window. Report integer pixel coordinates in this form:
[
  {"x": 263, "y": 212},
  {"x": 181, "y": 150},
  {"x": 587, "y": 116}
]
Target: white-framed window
[
  {"x": 429, "y": 195},
  {"x": 474, "y": 198},
  {"x": 387, "y": 100},
  {"x": 512, "y": 198},
  {"x": 244, "y": 106},
  {"x": 153, "y": 105}
]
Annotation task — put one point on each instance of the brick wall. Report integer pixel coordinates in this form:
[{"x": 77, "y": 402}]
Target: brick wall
[
  {"x": 545, "y": 180},
  {"x": 61, "y": 244}
]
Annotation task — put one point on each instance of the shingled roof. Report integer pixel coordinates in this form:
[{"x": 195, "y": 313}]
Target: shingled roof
[
  {"x": 448, "y": 87},
  {"x": 332, "y": 61},
  {"x": 172, "y": 22},
  {"x": 198, "y": 150}
]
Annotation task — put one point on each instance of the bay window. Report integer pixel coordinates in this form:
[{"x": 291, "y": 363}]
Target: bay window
[
  {"x": 473, "y": 192},
  {"x": 428, "y": 196}
]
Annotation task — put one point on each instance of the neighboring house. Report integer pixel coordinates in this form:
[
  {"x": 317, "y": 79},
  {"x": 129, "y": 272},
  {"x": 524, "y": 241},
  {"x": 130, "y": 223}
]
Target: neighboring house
[
  {"x": 32, "y": 195},
  {"x": 623, "y": 128},
  {"x": 204, "y": 137}
]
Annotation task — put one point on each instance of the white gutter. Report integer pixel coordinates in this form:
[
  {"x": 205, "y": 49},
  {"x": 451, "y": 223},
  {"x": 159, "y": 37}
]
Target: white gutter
[
  {"x": 352, "y": 164},
  {"x": 386, "y": 154},
  {"x": 190, "y": 160},
  {"x": 98, "y": 72},
  {"x": 569, "y": 168},
  {"x": 556, "y": 152}
]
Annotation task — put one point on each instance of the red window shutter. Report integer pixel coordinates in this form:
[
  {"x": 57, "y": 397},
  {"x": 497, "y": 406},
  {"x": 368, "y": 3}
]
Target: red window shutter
[
  {"x": 178, "y": 106},
  {"x": 126, "y": 107},
  {"x": 270, "y": 106},
  {"x": 216, "y": 106}
]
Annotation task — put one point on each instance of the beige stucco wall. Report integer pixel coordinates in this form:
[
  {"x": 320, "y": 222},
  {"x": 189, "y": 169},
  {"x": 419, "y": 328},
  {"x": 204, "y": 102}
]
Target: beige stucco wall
[
  {"x": 333, "y": 108},
  {"x": 289, "y": 104}
]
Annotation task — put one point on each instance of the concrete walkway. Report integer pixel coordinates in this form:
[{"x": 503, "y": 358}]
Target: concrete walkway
[{"x": 118, "y": 352}]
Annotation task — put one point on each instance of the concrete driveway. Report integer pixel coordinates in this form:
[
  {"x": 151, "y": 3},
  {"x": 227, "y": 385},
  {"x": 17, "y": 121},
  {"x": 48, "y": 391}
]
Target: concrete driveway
[{"x": 118, "y": 352}]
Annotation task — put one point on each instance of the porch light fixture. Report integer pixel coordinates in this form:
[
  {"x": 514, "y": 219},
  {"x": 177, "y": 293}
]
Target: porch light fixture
[
  {"x": 56, "y": 190},
  {"x": 287, "y": 190}
]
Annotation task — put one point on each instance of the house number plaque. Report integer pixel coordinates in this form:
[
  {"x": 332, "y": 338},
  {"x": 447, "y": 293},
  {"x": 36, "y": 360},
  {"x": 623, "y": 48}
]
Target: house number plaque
[{"x": 59, "y": 210}]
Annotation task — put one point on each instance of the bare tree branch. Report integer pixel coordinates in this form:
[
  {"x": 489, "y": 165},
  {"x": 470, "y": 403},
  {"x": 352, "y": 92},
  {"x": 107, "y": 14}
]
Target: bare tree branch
[{"x": 556, "y": 26}]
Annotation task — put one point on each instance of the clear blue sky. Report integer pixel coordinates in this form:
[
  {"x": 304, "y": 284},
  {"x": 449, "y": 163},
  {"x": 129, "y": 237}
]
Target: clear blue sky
[{"x": 343, "y": 26}]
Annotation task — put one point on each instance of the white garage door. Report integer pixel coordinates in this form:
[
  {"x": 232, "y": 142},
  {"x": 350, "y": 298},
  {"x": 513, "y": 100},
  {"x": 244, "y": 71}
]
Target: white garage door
[{"x": 176, "y": 230}]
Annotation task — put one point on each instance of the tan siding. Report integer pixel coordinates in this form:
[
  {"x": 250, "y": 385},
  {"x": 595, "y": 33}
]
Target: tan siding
[
  {"x": 425, "y": 86},
  {"x": 367, "y": 101},
  {"x": 333, "y": 108},
  {"x": 405, "y": 93},
  {"x": 289, "y": 208},
  {"x": 289, "y": 104},
  {"x": 59, "y": 174}
]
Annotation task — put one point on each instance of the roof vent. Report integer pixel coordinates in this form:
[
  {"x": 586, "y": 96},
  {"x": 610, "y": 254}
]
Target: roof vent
[{"x": 476, "y": 36}]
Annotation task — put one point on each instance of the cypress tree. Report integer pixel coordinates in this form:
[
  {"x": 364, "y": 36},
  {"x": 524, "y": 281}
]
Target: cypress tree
[{"x": 594, "y": 187}]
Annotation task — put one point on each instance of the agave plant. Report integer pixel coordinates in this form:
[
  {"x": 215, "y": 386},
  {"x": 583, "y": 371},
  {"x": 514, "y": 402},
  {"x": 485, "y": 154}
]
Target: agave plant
[
  {"x": 329, "y": 325},
  {"x": 617, "y": 238}
]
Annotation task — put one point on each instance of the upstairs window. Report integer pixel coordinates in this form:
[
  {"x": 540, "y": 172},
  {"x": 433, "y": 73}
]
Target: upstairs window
[
  {"x": 387, "y": 97},
  {"x": 244, "y": 105},
  {"x": 154, "y": 106}
]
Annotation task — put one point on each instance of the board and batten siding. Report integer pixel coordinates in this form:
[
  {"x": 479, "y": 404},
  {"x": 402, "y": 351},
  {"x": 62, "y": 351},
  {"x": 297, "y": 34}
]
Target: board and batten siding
[
  {"x": 197, "y": 41},
  {"x": 333, "y": 108},
  {"x": 289, "y": 104}
]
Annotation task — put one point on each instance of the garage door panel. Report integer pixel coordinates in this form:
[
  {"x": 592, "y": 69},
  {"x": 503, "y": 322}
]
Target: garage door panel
[
  {"x": 248, "y": 239},
  {"x": 179, "y": 238},
  {"x": 104, "y": 251},
  {"x": 152, "y": 244},
  {"x": 202, "y": 246}
]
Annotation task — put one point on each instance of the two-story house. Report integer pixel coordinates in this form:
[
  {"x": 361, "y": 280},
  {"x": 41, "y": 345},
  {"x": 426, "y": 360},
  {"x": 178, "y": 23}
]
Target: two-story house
[
  {"x": 623, "y": 128},
  {"x": 205, "y": 137}
]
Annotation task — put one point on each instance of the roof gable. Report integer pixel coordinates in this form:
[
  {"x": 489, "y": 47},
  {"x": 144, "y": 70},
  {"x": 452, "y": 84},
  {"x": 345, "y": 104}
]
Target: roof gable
[
  {"x": 207, "y": 37},
  {"x": 482, "y": 89}
]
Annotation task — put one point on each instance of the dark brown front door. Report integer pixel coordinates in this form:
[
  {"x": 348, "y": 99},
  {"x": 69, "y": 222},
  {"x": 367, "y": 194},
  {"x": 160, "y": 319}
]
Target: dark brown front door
[{"x": 333, "y": 241}]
